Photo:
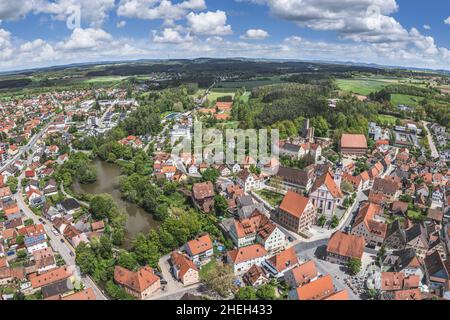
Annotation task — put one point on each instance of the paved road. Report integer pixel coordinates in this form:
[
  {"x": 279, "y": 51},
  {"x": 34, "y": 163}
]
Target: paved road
[
  {"x": 434, "y": 152},
  {"x": 59, "y": 243},
  {"x": 26, "y": 148},
  {"x": 315, "y": 251}
]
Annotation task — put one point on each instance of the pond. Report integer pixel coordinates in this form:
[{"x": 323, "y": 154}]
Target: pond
[{"x": 108, "y": 176}]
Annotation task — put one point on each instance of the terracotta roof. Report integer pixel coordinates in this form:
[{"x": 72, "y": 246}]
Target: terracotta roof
[
  {"x": 203, "y": 190},
  {"x": 346, "y": 245},
  {"x": 304, "y": 272},
  {"x": 358, "y": 141},
  {"x": 327, "y": 180},
  {"x": 253, "y": 274},
  {"x": 200, "y": 244},
  {"x": 87, "y": 294},
  {"x": 340, "y": 295},
  {"x": 97, "y": 225},
  {"x": 316, "y": 290},
  {"x": 366, "y": 215},
  {"x": 138, "y": 281},
  {"x": 183, "y": 263},
  {"x": 247, "y": 253},
  {"x": 49, "y": 277},
  {"x": 294, "y": 204},
  {"x": 409, "y": 294},
  {"x": 284, "y": 259}
]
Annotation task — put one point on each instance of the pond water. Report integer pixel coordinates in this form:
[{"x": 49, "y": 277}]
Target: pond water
[{"x": 108, "y": 176}]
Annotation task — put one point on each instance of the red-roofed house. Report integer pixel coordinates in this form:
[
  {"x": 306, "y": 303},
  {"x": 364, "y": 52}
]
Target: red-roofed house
[
  {"x": 244, "y": 258},
  {"x": 140, "y": 284},
  {"x": 296, "y": 212},
  {"x": 282, "y": 262},
  {"x": 200, "y": 250},
  {"x": 342, "y": 247},
  {"x": 353, "y": 144},
  {"x": 369, "y": 226},
  {"x": 184, "y": 269}
]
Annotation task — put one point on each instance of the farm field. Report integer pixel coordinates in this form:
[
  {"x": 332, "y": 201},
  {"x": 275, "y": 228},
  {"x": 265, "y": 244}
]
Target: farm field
[
  {"x": 361, "y": 86},
  {"x": 105, "y": 79},
  {"x": 405, "y": 99}
]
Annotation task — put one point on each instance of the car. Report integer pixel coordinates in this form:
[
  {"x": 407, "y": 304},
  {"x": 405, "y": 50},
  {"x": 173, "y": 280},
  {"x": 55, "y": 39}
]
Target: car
[
  {"x": 40, "y": 220},
  {"x": 290, "y": 239},
  {"x": 62, "y": 240},
  {"x": 72, "y": 254},
  {"x": 43, "y": 222},
  {"x": 163, "y": 282}
]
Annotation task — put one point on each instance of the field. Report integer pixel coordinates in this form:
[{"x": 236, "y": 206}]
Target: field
[
  {"x": 217, "y": 93},
  {"x": 362, "y": 86},
  {"x": 105, "y": 79},
  {"x": 405, "y": 99},
  {"x": 386, "y": 120}
]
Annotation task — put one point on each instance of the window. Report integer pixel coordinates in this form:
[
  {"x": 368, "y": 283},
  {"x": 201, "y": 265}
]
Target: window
[{"x": 329, "y": 205}]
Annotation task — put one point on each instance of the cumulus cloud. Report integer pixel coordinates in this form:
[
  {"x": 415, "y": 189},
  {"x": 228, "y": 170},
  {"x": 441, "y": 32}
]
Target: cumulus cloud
[
  {"x": 158, "y": 9},
  {"x": 447, "y": 21},
  {"x": 427, "y": 27},
  {"x": 93, "y": 13},
  {"x": 209, "y": 23},
  {"x": 255, "y": 34},
  {"x": 170, "y": 35},
  {"x": 86, "y": 39}
]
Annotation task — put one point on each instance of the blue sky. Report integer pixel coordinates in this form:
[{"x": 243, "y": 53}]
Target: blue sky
[{"x": 34, "y": 33}]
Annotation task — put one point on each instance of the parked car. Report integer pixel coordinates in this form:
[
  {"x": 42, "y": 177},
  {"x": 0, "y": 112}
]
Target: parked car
[
  {"x": 72, "y": 254},
  {"x": 163, "y": 282},
  {"x": 62, "y": 240}
]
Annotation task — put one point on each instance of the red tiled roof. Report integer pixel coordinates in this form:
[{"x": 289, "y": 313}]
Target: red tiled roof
[{"x": 294, "y": 204}]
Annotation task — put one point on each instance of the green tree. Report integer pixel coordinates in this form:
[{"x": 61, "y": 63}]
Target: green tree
[
  {"x": 211, "y": 175},
  {"x": 246, "y": 293},
  {"x": 220, "y": 205},
  {"x": 354, "y": 265},
  {"x": 266, "y": 292}
]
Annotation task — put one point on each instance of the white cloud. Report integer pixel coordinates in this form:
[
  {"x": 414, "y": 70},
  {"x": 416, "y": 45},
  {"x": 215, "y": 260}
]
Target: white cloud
[
  {"x": 170, "y": 35},
  {"x": 427, "y": 27},
  {"x": 209, "y": 23},
  {"x": 86, "y": 39},
  {"x": 13, "y": 10},
  {"x": 255, "y": 34},
  {"x": 121, "y": 24},
  {"x": 93, "y": 12},
  {"x": 447, "y": 21},
  {"x": 158, "y": 9}
]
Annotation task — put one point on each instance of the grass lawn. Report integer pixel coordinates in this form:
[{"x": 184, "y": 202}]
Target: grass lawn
[
  {"x": 361, "y": 86},
  {"x": 274, "y": 199},
  {"x": 405, "y": 99},
  {"x": 386, "y": 120},
  {"x": 217, "y": 93},
  {"x": 229, "y": 125},
  {"x": 207, "y": 267}
]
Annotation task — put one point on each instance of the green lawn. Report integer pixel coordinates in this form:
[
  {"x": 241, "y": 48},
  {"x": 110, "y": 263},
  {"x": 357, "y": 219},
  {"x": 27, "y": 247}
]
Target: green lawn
[
  {"x": 405, "y": 99},
  {"x": 207, "y": 267},
  {"x": 274, "y": 199},
  {"x": 217, "y": 93},
  {"x": 361, "y": 86},
  {"x": 386, "y": 120}
]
